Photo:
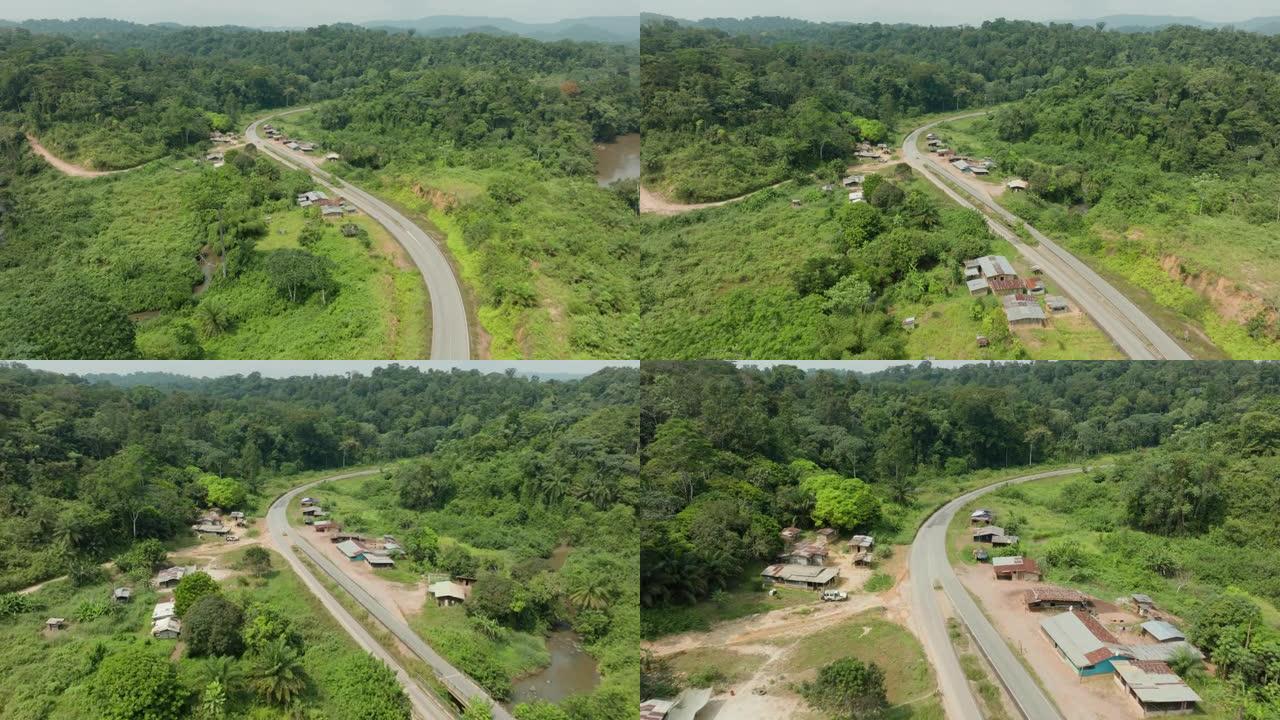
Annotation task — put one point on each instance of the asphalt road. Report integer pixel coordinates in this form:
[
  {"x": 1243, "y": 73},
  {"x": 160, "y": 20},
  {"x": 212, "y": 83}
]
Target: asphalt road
[
  {"x": 459, "y": 685},
  {"x": 929, "y": 564},
  {"x": 425, "y": 705},
  {"x": 450, "y": 334},
  {"x": 1132, "y": 330}
]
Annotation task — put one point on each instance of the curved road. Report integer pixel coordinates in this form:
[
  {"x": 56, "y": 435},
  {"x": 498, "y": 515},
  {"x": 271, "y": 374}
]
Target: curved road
[
  {"x": 1136, "y": 334},
  {"x": 450, "y": 333},
  {"x": 425, "y": 705},
  {"x": 459, "y": 685},
  {"x": 928, "y": 564}
]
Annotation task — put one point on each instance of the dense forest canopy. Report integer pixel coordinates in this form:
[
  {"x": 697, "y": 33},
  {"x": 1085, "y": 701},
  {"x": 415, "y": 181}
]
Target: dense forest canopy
[
  {"x": 803, "y": 91},
  {"x": 731, "y": 455}
]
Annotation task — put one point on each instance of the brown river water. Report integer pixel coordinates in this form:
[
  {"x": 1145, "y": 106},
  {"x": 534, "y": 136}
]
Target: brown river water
[{"x": 618, "y": 160}]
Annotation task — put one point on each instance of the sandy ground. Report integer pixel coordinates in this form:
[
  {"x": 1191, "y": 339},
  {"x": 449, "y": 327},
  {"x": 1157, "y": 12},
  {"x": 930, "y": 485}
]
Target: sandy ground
[
  {"x": 405, "y": 600},
  {"x": 773, "y": 634},
  {"x": 993, "y": 190},
  {"x": 1096, "y": 698},
  {"x": 64, "y": 166},
  {"x": 653, "y": 203}
]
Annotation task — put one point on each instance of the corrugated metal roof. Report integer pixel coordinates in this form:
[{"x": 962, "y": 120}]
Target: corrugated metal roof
[
  {"x": 1078, "y": 638},
  {"x": 1164, "y": 651},
  {"x": 1152, "y": 683},
  {"x": 350, "y": 549},
  {"x": 1161, "y": 630}
]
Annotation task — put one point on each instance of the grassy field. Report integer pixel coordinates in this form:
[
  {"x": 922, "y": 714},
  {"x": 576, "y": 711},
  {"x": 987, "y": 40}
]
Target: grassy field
[
  {"x": 716, "y": 667},
  {"x": 869, "y": 637},
  {"x": 747, "y": 597},
  {"x": 1041, "y": 513},
  {"x": 552, "y": 279},
  {"x": 46, "y": 675}
]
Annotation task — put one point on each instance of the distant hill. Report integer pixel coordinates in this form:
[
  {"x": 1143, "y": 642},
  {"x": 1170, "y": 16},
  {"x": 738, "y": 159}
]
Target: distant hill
[
  {"x": 1149, "y": 23},
  {"x": 620, "y": 29}
]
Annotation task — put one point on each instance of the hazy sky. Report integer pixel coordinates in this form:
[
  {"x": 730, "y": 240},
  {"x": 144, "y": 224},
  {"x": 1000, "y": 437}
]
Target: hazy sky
[
  {"x": 932, "y": 12},
  {"x": 287, "y": 368},
  {"x": 306, "y": 13}
]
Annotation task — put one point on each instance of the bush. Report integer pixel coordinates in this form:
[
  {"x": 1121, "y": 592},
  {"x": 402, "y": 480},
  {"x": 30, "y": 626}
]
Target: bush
[
  {"x": 212, "y": 627},
  {"x": 848, "y": 688},
  {"x": 135, "y": 683},
  {"x": 190, "y": 589},
  {"x": 12, "y": 604},
  {"x": 256, "y": 559},
  {"x": 145, "y": 555}
]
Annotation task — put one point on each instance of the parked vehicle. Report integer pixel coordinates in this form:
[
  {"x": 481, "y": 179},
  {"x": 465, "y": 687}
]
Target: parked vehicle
[{"x": 834, "y": 596}]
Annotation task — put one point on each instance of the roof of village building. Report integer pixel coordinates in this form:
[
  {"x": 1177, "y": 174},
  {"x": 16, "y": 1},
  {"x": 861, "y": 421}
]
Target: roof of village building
[
  {"x": 448, "y": 589},
  {"x": 1056, "y": 302},
  {"x": 862, "y": 541},
  {"x": 996, "y": 265},
  {"x": 684, "y": 707},
  {"x": 976, "y": 284},
  {"x": 1161, "y": 630},
  {"x": 1052, "y": 593},
  {"x": 1019, "y": 308},
  {"x": 988, "y": 530},
  {"x": 1164, "y": 651},
  {"x": 1082, "y": 638},
  {"x": 1004, "y": 283},
  {"x": 350, "y": 549},
  {"x": 1142, "y": 599},
  {"x": 801, "y": 573},
  {"x": 122, "y": 592},
  {"x": 1018, "y": 184},
  {"x": 808, "y": 550},
  {"x": 171, "y": 624},
  {"x": 163, "y": 610},
  {"x": 375, "y": 559},
  {"x": 173, "y": 573},
  {"x": 980, "y": 513},
  {"x": 1013, "y": 564},
  {"x": 1154, "y": 682}
]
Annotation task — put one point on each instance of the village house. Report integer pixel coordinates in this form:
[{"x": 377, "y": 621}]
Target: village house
[
  {"x": 1015, "y": 567},
  {"x": 862, "y": 542},
  {"x": 995, "y": 266},
  {"x": 307, "y": 199},
  {"x": 326, "y": 526},
  {"x": 122, "y": 594},
  {"x": 852, "y": 180},
  {"x": 1017, "y": 185},
  {"x": 1155, "y": 688},
  {"x": 377, "y": 560},
  {"x": 826, "y": 534},
  {"x": 1023, "y": 310},
  {"x": 306, "y": 147},
  {"x": 909, "y": 323},
  {"x": 1143, "y": 602},
  {"x": 856, "y": 197},
  {"x": 805, "y": 554},
  {"x": 978, "y": 287},
  {"x": 170, "y": 576},
  {"x": 312, "y": 510},
  {"x": 983, "y": 341},
  {"x": 1050, "y": 596},
  {"x": 980, "y": 169},
  {"x": 351, "y": 550},
  {"x": 292, "y": 145},
  {"x": 163, "y": 610},
  {"x": 864, "y": 557},
  {"x": 993, "y": 535},
  {"x": 1083, "y": 642},
  {"x": 962, "y": 165},
  {"x": 1005, "y": 285},
  {"x": 331, "y": 211},
  {"x": 1162, "y": 631},
  {"x": 448, "y": 593},
  {"x": 167, "y": 629},
  {"x": 790, "y": 534},
  {"x": 211, "y": 529},
  {"x": 1034, "y": 285},
  {"x": 237, "y": 515},
  {"x": 55, "y": 623},
  {"x": 332, "y": 156},
  {"x": 309, "y": 500},
  {"x": 806, "y": 576},
  {"x": 981, "y": 517},
  {"x": 339, "y": 536},
  {"x": 1164, "y": 651}
]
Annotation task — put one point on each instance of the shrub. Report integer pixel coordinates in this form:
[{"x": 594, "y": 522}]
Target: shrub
[
  {"x": 212, "y": 627},
  {"x": 848, "y": 688},
  {"x": 190, "y": 589}
]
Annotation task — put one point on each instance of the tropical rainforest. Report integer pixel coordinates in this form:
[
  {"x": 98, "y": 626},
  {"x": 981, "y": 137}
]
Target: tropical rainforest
[
  {"x": 488, "y": 474},
  {"x": 508, "y": 137}
]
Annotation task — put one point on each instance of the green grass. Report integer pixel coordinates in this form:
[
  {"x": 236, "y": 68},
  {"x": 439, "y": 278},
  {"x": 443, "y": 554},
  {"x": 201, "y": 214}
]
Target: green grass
[
  {"x": 728, "y": 666},
  {"x": 869, "y": 637},
  {"x": 878, "y": 582}
]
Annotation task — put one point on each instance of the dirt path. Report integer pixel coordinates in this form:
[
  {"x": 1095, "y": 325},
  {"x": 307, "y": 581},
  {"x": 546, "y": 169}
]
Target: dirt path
[
  {"x": 654, "y": 204},
  {"x": 66, "y": 167}
]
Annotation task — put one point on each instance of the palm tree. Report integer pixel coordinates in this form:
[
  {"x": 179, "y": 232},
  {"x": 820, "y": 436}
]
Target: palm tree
[
  {"x": 277, "y": 674},
  {"x": 226, "y": 671},
  {"x": 1185, "y": 664},
  {"x": 593, "y": 594}
]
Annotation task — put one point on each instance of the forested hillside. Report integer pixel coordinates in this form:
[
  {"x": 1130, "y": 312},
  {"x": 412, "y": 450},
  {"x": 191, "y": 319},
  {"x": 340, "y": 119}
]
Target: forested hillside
[
  {"x": 497, "y": 131},
  {"x": 732, "y": 455},
  {"x": 804, "y": 92}
]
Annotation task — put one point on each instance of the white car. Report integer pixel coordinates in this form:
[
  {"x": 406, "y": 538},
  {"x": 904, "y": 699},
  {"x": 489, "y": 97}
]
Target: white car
[{"x": 834, "y": 596}]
